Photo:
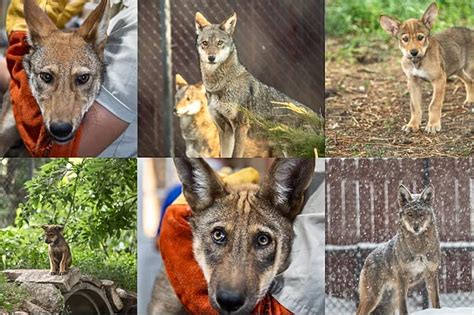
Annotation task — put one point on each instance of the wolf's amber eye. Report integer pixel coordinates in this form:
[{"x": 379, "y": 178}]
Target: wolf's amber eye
[
  {"x": 219, "y": 43},
  {"x": 82, "y": 79},
  {"x": 405, "y": 39},
  {"x": 421, "y": 37},
  {"x": 205, "y": 43},
  {"x": 46, "y": 77},
  {"x": 218, "y": 236},
  {"x": 263, "y": 240}
]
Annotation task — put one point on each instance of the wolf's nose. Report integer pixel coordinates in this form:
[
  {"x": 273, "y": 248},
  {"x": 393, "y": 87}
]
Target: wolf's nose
[
  {"x": 229, "y": 300},
  {"x": 414, "y": 52},
  {"x": 211, "y": 58},
  {"x": 60, "y": 129}
]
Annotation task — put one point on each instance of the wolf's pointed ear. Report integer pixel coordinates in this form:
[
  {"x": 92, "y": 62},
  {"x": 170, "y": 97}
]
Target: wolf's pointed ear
[
  {"x": 404, "y": 196},
  {"x": 201, "y": 22},
  {"x": 390, "y": 25},
  {"x": 427, "y": 194},
  {"x": 201, "y": 185},
  {"x": 285, "y": 185},
  {"x": 228, "y": 25},
  {"x": 180, "y": 82},
  {"x": 38, "y": 22},
  {"x": 94, "y": 28},
  {"x": 44, "y": 226},
  {"x": 430, "y": 15}
]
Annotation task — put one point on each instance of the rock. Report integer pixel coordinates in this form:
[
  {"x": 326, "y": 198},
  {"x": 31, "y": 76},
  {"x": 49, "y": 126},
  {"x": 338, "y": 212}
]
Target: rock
[
  {"x": 110, "y": 289},
  {"x": 44, "y": 295},
  {"x": 129, "y": 300},
  {"x": 92, "y": 280},
  {"x": 31, "y": 308},
  {"x": 64, "y": 282}
]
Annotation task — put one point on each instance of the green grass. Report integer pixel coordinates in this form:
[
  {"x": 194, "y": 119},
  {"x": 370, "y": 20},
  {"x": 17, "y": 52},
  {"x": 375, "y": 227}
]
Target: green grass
[
  {"x": 361, "y": 17},
  {"x": 11, "y": 295}
]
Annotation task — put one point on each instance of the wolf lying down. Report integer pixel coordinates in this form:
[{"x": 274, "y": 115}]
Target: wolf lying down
[{"x": 242, "y": 234}]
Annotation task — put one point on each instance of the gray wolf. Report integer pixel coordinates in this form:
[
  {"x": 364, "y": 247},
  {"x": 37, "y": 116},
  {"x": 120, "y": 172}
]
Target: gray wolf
[
  {"x": 60, "y": 258},
  {"x": 234, "y": 94},
  {"x": 197, "y": 126},
  {"x": 409, "y": 258},
  {"x": 242, "y": 234},
  {"x": 433, "y": 58},
  {"x": 64, "y": 69}
]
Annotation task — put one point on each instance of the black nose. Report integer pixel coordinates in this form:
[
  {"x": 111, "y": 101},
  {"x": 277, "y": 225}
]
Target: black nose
[
  {"x": 230, "y": 301},
  {"x": 211, "y": 58},
  {"x": 60, "y": 130},
  {"x": 416, "y": 228},
  {"x": 414, "y": 52}
]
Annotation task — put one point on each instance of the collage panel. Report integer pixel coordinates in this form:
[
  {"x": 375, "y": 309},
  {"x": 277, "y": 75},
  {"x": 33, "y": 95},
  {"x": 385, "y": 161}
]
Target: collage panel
[
  {"x": 232, "y": 78},
  {"x": 246, "y": 237},
  {"x": 68, "y": 240},
  {"x": 399, "y": 223},
  {"x": 399, "y": 78},
  {"x": 64, "y": 92}
]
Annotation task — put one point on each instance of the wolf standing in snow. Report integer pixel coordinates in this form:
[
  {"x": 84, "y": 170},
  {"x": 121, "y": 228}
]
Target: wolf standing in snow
[{"x": 412, "y": 256}]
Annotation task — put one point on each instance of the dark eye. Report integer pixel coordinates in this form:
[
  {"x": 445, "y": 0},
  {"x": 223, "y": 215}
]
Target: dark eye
[
  {"x": 219, "y": 43},
  {"x": 410, "y": 214},
  {"x": 421, "y": 37},
  {"x": 82, "y": 79},
  {"x": 205, "y": 43},
  {"x": 218, "y": 236},
  {"x": 263, "y": 240},
  {"x": 405, "y": 39},
  {"x": 46, "y": 77}
]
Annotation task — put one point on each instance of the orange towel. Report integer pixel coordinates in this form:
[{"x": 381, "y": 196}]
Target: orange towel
[
  {"x": 184, "y": 273},
  {"x": 29, "y": 121}
]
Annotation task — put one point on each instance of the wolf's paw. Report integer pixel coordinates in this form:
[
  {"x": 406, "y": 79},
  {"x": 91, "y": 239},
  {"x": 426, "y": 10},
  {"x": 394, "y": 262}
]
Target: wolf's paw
[
  {"x": 410, "y": 128},
  {"x": 53, "y": 273},
  {"x": 433, "y": 127},
  {"x": 62, "y": 273}
]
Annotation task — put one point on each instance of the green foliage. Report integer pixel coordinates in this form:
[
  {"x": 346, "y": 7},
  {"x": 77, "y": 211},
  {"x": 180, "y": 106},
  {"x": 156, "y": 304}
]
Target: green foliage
[
  {"x": 11, "y": 295},
  {"x": 96, "y": 200},
  {"x": 361, "y": 18}
]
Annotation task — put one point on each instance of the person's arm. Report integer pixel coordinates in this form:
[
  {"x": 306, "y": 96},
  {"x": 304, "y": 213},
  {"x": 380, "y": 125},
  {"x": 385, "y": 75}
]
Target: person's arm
[{"x": 100, "y": 129}]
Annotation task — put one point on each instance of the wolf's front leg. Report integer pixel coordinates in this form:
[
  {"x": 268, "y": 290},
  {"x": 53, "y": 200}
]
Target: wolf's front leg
[
  {"x": 227, "y": 139},
  {"x": 241, "y": 134},
  {"x": 414, "y": 87},
  {"x": 402, "y": 296},
  {"x": 432, "y": 285},
  {"x": 62, "y": 265},
  {"x": 53, "y": 266},
  {"x": 434, "y": 120}
]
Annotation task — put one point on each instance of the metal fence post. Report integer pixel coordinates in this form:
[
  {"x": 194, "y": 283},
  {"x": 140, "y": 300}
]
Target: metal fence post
[{"x": 167, "y": 105}]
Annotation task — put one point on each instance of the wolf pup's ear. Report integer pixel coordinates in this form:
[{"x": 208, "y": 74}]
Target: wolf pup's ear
[
  {"x": 38, "y": 22},
  {"x": 430, "y": 15},
  {"x": 94, "y": 28},
  {"x": 45, "y": 227},
  {"x": 201, "y": 22},
  {"x": 427, "y": 195},
  {"x": 390, "y": 25},
  {"x": 404, "y": 196},
  {"x": 180, "y": 82},
  {"x": 228, "y": 25},
  {"x": 285, "y": 185},
  {"x": 201, "y": 185}
]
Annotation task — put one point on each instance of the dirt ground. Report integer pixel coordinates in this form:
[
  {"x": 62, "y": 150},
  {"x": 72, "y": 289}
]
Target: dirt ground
[{"x": 367, "y": 103}]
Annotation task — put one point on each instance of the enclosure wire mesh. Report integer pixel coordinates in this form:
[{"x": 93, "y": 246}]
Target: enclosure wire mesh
[{"x": 280, "y": 42}]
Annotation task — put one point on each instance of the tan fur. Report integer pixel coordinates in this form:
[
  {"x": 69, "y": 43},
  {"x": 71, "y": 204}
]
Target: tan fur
[
  {"x": 59, "y": 254},
  {"x": 432, "y": 58},
  {"x": 64, "y": 69}
]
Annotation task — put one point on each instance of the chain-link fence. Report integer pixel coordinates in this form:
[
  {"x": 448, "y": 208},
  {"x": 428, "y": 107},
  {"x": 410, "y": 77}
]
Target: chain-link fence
[
  {"x": 280, "y": 42},
  {"x": 362, "y": 213}
]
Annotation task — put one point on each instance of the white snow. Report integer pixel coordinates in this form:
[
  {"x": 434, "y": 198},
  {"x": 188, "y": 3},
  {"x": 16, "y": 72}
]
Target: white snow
[{"x": 447, "y": 311}]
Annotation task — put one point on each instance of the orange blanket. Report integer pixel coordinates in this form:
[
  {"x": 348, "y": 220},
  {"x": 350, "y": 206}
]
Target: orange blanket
[
  {"x": 184, "y": 273},
  {"x": 29, "y": 121}
]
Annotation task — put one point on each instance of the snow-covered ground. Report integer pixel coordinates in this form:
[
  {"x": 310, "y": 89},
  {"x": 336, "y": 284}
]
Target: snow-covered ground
[
  {"x": 447, "y": 311},
  {"x": 456, "y": 303}
]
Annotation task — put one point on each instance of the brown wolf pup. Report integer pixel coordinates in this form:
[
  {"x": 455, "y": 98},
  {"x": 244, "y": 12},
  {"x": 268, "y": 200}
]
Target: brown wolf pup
[
  {"x": 64, "y": 69},
  {"x": 412, "y": 256},
  {"x": 242, "y": 234},
  {"x": 432, "y": 58},
  {"x": 60, "y": 258},
  {"x": 197, "y": 126}
]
